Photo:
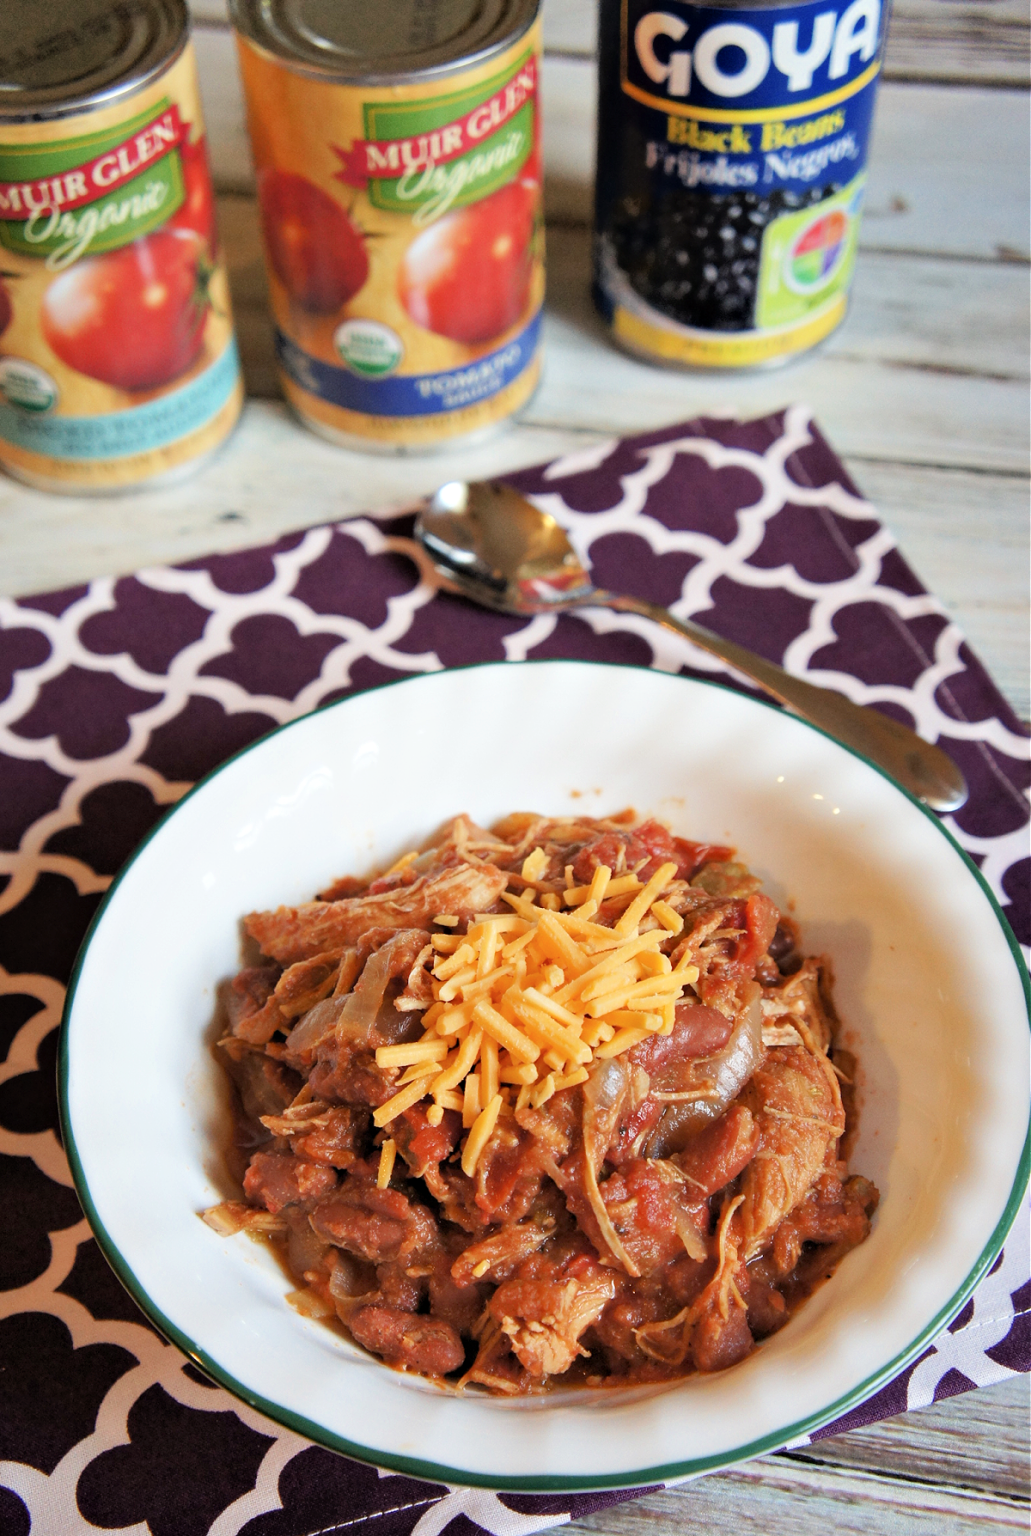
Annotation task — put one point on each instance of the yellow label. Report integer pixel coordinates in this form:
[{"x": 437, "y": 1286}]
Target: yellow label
[
  {"x": 404, "y": 242},
  {"x": 728, "y": 349}
]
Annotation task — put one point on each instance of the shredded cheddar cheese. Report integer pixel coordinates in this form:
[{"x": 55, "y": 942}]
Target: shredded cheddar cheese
[
  {"x": 524, "y": 1001},
  {"x": 387, "y": 1153},
  {"x": 480, "y": 1134}
]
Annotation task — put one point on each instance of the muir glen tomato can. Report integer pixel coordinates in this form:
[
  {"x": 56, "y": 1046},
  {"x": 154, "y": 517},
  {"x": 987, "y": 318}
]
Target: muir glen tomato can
[
  {"x": 397, "y": 150},
  {"x": 118, "y": 364}
]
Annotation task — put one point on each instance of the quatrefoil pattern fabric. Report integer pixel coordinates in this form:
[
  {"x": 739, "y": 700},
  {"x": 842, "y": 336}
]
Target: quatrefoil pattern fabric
[{"x": 115, "y": 697}]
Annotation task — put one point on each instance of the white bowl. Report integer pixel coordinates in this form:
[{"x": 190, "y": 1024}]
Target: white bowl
[{"x": 929, "y": 984}]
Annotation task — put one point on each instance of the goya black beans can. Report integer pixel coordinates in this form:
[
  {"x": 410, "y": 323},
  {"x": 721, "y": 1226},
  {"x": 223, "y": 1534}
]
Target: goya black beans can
[
  {"x": 118, "y": 364},
  {"x": 732, "y": 143}
]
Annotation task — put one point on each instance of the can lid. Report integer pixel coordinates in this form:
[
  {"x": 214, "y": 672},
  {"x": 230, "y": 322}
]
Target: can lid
[
  {"x": 386, "y": 42},
  {"x": 63, "y": 56}
]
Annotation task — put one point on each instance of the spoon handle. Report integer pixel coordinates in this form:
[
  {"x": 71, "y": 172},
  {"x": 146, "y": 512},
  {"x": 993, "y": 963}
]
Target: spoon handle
[{"x": 921, "y": 768}]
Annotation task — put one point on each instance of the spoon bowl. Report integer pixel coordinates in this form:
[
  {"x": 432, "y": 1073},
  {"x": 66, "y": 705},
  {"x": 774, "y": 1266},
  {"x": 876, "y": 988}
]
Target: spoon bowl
[{"x": 490, "y": 544}]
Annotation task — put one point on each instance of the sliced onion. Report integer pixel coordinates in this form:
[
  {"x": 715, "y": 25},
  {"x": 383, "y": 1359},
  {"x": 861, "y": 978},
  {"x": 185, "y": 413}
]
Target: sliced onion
[
  {"x": 717, "y": 1079},
  {"x": 358, "y": 1013},
  {"x": 606, "y": 1093},
  {"x": 350, "y": 1278},
  {"x": 306, "y": 1035},
  {"x": 692, "y": 1240}
]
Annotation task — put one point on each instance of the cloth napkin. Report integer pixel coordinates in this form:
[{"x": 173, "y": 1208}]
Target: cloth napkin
[{"x": 116, "y": 696}]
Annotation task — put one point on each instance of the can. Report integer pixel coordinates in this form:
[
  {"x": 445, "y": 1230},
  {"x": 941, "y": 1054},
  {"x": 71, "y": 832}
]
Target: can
[
  {"x": 397, "y": 151},
  {"x": 732, "y": 144},
  {"x": 118, "y": 364}
]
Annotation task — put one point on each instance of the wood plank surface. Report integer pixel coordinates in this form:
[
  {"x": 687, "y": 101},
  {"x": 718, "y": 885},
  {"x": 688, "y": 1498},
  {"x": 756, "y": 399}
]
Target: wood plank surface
[
  {"x": 959, "y": 41},
  {"x": 224, "y": 116},
  {"x": 877, "y": 399},
  {"x": 941, "y": 40},
  {"x": 977, "y": 1442},
  {"x": 938, "y": 315},
  {"x": 950, "y": 1470},
  {"x": 272, "y": 476}
]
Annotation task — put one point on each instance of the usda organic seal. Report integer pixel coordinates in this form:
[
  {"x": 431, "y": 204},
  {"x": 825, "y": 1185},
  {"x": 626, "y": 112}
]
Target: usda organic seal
[
  {"x": 368, "y": 348},
  {"x": 27, "y": 385}
]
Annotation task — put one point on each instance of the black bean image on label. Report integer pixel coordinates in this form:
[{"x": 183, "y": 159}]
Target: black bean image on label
[{"x": 695, "y": 256}]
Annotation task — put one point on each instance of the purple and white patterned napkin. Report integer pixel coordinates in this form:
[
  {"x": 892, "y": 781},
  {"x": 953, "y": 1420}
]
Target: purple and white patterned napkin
[{"x": 116, "y": 696}]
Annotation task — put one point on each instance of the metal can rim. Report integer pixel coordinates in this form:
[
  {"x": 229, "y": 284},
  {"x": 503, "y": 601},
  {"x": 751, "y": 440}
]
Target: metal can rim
[
  {"x": 49, "y": 103},
  {"x": 524, "y": 14}
]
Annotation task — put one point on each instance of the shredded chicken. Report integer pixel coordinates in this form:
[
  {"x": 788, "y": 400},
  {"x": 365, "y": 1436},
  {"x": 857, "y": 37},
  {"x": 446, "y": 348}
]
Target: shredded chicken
[
  {"x": 545, "y": 1319},
  {"x": 800, "y": 1118},
  {"x": 290, "y": 934}
]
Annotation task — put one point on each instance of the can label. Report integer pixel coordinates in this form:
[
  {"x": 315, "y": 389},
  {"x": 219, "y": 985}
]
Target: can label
[
  {"x": 731, "y": 168},
  {"x": 117, "y": 358},
  {"x": 404, "y": 243},
  {"x": 130, "y": 187}
]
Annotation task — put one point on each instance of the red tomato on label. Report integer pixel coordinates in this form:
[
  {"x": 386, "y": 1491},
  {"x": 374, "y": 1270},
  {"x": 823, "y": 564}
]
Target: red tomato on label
[
  {"x": 198, "y": 209},
  {"x": 468, "y": 276},
  {"x": 134, "y": 317},
  {"x": 316, "y": 252}
]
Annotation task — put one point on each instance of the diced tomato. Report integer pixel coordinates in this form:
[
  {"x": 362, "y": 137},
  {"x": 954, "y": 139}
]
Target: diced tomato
[
  {"x": 651, "y": 840},
  {"x": 430, "y": 1144},
  {"x": 580, "y": 1266},
  {"x": 604, "y": 850},
  {"x": 390, "y": 882},
  {"x": 691, "y": 856},
  {"x": 653, "y": 843},
  {"x": 760, "y": 921},
  {"x": 652, "y": 1195}
]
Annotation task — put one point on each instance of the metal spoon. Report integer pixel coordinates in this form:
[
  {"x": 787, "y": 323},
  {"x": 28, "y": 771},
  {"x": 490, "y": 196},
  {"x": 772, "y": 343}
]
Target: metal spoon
[{"x": 490, "y": 544}]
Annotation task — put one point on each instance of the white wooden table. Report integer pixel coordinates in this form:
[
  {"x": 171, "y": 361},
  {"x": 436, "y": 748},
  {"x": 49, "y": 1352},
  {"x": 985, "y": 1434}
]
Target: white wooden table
[{"x": 924, "y": 392}]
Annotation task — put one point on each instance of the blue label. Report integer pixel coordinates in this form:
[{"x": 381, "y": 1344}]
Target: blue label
[
  {"x": 120, "y": 434},
  {"x": 418, "y": 394},
  {"x": 751, "y": 99}
]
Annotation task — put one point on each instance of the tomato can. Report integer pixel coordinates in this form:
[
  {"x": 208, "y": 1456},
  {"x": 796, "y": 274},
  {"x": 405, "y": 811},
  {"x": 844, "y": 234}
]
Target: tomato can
[
  {"x": 118, "y": 364},
  {"x": 397, "y": 151},
  {"x": 732, "y": 144}
]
